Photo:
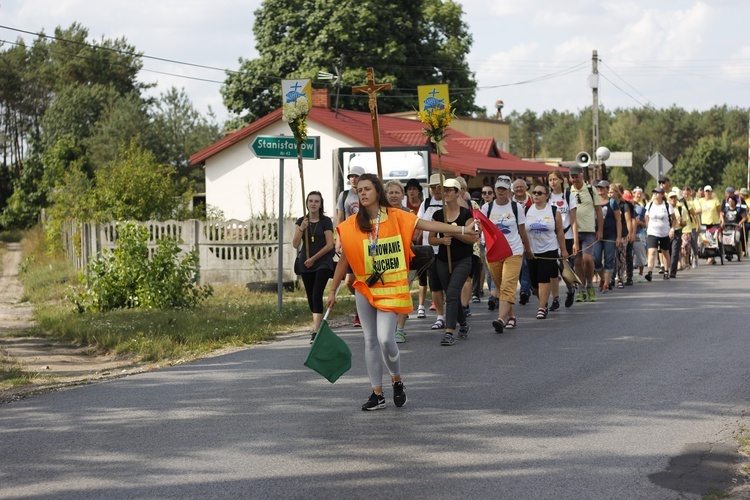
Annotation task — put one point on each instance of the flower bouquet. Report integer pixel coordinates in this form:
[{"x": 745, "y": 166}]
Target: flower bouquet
[
  {"x": 295, "y": 114},
  {"x": 437, "y": 119}
]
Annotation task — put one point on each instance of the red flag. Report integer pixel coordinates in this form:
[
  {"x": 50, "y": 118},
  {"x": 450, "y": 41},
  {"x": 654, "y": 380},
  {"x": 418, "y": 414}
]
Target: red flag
[{"x": 496, "y": 246}]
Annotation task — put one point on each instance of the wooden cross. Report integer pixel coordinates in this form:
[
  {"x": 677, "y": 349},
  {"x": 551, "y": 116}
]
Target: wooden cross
[{"x": 372, "y": 89}]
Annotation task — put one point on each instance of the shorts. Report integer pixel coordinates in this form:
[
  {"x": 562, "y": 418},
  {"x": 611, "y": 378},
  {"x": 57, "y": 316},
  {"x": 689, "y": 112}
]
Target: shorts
[
  {"x": 660, "y": 243},
  {"x": 586, "y": 243},
  {"x": 544, "y": 268},
  {"x": 505, "y": 274}
]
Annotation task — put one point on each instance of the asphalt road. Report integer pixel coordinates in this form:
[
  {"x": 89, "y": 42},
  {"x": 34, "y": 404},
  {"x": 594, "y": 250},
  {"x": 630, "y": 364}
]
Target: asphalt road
[{"x": 636, "y": 396}]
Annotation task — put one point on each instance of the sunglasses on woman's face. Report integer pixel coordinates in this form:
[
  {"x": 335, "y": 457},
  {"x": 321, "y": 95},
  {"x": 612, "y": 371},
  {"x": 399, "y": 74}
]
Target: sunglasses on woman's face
[
  {"x": 486, "y": 192},
  {"x": 538, "y": 193}
]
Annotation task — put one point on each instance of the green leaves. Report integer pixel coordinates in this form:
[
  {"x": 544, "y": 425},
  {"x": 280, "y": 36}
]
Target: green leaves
[
  {"x": 408, "y": 44},
  {"x": 128, "y": 278}
]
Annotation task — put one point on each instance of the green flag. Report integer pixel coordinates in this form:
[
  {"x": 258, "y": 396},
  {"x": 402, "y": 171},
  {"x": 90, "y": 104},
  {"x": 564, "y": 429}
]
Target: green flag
[{"x": 329, "y": 354}]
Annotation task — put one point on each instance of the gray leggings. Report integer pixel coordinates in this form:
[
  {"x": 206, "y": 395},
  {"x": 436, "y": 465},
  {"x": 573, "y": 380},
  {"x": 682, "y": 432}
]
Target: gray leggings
[{"x": 379, "y": 328}]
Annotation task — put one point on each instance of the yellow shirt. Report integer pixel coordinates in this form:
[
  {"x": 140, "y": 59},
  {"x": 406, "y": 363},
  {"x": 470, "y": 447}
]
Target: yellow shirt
[{"x": 709, "y": 212}]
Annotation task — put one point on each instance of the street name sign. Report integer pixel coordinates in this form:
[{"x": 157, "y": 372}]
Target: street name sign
[{"x": 282, "y": 146}]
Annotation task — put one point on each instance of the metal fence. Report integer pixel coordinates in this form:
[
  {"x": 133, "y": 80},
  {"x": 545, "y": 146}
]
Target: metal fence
[{"x": 232, "y": 251}]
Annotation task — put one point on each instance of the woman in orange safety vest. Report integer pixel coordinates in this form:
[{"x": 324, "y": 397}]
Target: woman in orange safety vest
[{"x": 376, "y": 244}]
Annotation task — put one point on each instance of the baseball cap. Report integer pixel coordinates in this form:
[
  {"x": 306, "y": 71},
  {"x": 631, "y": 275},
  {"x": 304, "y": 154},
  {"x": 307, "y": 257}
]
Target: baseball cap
[
  {"x": 743, "y": 191},
  {"x": 502, "y": 182},
  {"x": 356, "y": 170},
  {"x": 708, "y": 188},
  {"x": 575, "y": 171},
  {"x": 451, "y": 183},
  {"x": 676, "y": 191},
  {"x": 658, "y": 190},
  {"x": 663, "y": 179},
  {"x": 435, "y": 179},
  {"x": 638, "y": 188},
  {"x": 462, "y": 182},
  {"x": 729, "y": 190},
  {"x": 672, "y": 193},
  {"x": 413, "y": 183},
  {"x": 602, "y": 184}
]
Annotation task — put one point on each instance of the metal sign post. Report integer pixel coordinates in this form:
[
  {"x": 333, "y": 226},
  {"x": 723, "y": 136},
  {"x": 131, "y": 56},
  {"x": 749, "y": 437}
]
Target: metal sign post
[{"x": 280, "y": 275}]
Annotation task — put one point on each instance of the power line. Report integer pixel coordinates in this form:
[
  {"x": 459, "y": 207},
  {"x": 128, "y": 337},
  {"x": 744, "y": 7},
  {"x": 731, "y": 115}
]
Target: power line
[{"x": 626, "y": 83}]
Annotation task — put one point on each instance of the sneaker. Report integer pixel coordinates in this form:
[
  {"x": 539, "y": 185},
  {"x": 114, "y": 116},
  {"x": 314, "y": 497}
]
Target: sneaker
[
  {"x": 649, "y": 277},
  {"x": 695, "y": 264},
  {"x": 493, "y": 303},
  {"x": 463, "y": 331},
  {"x": 640, "y": 279},
  {"x": 665, "y": 276},
  {"x": 399, "y": 396},
  {"x": 467, "y": 311},
  {"x": 604, "y": 289},
  {"x": 661, "y": 270},
  {"x": 620, "y": 284},
  {"x": 629, "y": 282},
  {"x": 570, "y": 297},
  {"x": 376, "y": 402},
  {"x": 447, "y": 340},
  {"x": 591, "y": 294},
  {"x": 498, "y": 325},
  {"x": 400, "y": 336},
  {"x": 511, "y": 324},
  {"x": 555, "y": 304},
  {"x": 523, "y": 298},
  {"x": 356, "y": 320},
  {"x": 421, "y": 313},
  {"x": 581, "y": 296},
  {"x": 312, "y": 337},
  {"x": 475, "y": 299},
  {"x": 672, "y": 276}
]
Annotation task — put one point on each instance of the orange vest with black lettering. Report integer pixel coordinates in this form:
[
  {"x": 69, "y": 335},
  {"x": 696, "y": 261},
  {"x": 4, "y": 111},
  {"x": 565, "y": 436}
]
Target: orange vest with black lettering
[{"x": 392, "y": 260}]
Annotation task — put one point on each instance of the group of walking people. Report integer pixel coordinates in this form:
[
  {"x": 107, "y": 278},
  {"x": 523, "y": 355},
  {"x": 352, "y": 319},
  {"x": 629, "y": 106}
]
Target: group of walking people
[{"x": 604, "y": 232}]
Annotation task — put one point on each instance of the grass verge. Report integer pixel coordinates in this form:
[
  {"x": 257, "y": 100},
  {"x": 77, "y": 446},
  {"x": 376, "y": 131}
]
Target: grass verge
[{"x": 232, "y": 317}]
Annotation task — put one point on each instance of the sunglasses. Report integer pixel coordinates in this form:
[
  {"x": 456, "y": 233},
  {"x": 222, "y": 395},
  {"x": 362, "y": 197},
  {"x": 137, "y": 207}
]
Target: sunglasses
[
  {"x": 539, "y": 193},
  {"x": 486, "y": 192},
  {"x": 578, "y": 198}
]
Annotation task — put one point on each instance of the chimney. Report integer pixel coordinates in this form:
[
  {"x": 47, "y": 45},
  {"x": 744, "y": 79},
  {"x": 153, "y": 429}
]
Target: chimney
[{"x": 321, "y": 98}]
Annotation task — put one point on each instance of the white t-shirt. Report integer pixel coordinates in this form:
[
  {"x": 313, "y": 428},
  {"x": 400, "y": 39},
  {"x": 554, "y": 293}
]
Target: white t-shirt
[
  {"x": 502, "y": 217},
  {"x": 348, "y": 203},
  {"x": 426, "y": 212},
  {"x": 540, "y": 226},
  {"x": 659, "y": 223},
  {"x": 563, "y": 208}
]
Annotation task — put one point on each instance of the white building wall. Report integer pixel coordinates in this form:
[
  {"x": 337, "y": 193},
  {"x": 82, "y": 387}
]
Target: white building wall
[{"x": 243, "y": 186}]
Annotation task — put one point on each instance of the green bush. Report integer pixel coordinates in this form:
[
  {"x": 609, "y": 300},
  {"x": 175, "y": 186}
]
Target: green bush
[{"x": 127, "y": 278}]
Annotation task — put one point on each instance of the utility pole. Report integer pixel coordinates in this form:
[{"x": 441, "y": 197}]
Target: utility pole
[{"x": 594, "y": 84}]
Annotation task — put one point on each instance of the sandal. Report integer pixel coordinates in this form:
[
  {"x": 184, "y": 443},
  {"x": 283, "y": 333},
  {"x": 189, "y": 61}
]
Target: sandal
[
  {"x": 498, "y": 325},
  {"x": 438, "y": 325},
  {"x": 541, "y": 313},
  {"x": 511, "y": 323}
]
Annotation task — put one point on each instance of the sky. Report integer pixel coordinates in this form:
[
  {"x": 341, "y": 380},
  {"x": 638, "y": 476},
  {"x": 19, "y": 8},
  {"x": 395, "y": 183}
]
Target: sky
[{"x": 532, "y": 54}]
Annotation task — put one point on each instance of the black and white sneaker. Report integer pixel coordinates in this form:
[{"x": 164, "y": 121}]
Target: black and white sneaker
[
  {"x": 448, "y": 340},
  {"x": 570, "y": 297},
  {"x": 463, "y": 331},
  {"x": 376, "y": 402},
  {"x": 493, "y": 303},
  {"x": 312, "y": 337},
  {"x": 649, "y": 276},
  {"x": 399, "y": 396},
  {"x": 555, "y": 304}
]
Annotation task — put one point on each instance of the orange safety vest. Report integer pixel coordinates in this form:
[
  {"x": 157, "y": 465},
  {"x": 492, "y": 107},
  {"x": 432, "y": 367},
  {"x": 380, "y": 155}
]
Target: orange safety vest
[{"x": 394, "y": 253}]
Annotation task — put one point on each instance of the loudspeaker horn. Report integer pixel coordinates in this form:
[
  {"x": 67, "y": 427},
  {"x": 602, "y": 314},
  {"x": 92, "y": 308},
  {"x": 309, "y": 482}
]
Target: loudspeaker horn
[{"x": 583, "y": 159}]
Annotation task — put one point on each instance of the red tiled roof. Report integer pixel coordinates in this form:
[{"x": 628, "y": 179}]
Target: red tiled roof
[{"x": 465, "y": 155}]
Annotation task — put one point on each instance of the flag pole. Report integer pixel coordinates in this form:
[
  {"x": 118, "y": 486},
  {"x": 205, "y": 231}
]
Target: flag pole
[{"x": 304, "y": 204}]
